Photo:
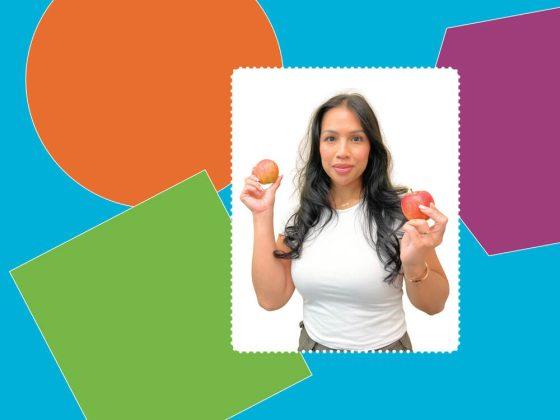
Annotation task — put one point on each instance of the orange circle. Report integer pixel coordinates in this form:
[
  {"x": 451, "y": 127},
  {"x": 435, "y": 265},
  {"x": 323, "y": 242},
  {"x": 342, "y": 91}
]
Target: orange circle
[{"x": 130, "y": 97}]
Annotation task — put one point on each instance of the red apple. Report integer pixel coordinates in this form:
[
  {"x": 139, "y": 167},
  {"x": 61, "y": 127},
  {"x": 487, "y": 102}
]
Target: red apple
[
  {"x": 411, "y": 201},
  {"x": 266, "y": 170}
]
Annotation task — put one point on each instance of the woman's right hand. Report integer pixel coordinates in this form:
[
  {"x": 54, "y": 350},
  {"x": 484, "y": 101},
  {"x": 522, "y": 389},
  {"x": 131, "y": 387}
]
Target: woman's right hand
[{"x": 255, "y": 197}]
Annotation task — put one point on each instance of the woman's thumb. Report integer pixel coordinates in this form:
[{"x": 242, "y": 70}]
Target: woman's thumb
[{"x": 276, "y": 184}]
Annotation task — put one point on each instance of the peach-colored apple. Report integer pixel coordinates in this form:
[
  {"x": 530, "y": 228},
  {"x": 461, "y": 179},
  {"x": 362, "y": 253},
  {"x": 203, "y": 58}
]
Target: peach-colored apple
[{"x": 266, "y": 170}]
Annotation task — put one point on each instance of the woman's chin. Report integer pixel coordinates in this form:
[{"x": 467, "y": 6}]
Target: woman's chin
[{"x": 341, "y": 181}]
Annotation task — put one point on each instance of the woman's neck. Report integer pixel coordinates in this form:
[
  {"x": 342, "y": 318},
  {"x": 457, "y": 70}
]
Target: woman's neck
[{"x": 346, "y": 196}]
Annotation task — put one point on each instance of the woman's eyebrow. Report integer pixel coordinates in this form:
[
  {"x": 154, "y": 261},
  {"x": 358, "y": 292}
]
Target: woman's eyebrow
[{"x": 336, "y": 132}]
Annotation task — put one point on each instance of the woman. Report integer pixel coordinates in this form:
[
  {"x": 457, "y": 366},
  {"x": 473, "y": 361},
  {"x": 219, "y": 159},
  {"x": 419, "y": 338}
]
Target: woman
[{"x": 341, "y": 249}]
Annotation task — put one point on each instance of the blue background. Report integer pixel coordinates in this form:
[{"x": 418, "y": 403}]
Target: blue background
[{"x": 506, "y": 364}]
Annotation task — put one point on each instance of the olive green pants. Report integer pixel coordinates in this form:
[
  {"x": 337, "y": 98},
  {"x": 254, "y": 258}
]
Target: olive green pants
[{"x": 306, "y": 343}]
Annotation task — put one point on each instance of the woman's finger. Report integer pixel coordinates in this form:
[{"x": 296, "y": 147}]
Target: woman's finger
[
  {"x": 412, "y": 233},
  {"x": 252, "y": 178},
  {"x": 434, "y": 214},
  {"x": 255, "y": 192},
  {"x": 419, "y": 237},
  {"x": 421, "y": 225},
  {"x": 276, "y": 183},
  {"x": 254, "y": 184},
  {"x": 435, "y": 236}
]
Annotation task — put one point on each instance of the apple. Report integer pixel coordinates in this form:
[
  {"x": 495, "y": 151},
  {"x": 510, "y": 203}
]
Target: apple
[
  {"x": 266, "y": 170},
  {"x": 411, "y": 201}
]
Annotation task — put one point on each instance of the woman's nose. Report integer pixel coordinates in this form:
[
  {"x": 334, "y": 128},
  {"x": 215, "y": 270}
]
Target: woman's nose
[{"x": 342, "y": 150}]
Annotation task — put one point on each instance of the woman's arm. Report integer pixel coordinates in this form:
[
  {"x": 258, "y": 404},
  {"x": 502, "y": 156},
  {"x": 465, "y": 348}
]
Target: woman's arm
[
  {"x": 430, "y": 294},
  {"x": 272, "y": 278},
  {"x": 418, "y": 251}
]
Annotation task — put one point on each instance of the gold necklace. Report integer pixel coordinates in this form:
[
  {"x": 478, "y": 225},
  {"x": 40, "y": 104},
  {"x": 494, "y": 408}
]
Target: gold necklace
[{"x": 342, "y": 206}]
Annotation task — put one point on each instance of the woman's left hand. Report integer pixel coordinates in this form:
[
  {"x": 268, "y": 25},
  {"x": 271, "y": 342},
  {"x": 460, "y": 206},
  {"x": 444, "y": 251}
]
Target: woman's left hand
[{"x": 419, "y": 238}]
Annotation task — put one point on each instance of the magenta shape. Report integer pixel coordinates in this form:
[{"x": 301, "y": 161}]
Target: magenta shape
[{"x": 509, "y": 127}]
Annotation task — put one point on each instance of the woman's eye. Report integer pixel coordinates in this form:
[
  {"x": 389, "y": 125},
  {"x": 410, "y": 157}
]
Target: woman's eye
[{"x": 354, "y": 139}]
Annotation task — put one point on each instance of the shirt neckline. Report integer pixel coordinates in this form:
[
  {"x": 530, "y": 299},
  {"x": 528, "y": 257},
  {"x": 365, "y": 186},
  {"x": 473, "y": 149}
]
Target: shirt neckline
[{"x": 349, "y": 208}]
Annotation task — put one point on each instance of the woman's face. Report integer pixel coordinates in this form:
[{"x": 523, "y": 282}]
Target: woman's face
[{"x": 344, "y": 146}]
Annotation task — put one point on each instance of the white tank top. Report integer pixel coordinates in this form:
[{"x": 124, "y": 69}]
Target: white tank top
[{"x": 346, "y": 303}]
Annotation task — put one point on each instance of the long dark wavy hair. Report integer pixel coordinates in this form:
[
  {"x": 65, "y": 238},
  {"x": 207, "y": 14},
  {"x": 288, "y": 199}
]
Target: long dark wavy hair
[{"x": 381, "y": 198}]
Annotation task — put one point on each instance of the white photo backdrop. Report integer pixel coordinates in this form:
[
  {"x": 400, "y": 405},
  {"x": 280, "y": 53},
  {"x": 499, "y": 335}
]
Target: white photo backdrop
[{"x": 418, "y": 111}]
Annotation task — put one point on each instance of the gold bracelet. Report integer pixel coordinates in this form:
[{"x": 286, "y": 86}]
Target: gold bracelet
[{"x": 423, "y": 278}]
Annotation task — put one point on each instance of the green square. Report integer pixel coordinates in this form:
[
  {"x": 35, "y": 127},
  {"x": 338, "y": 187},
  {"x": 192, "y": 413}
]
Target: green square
[{"x": 137, "y": 311}]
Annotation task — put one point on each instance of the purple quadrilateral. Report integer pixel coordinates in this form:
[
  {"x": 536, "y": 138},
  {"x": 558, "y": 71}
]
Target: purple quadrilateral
[{"x": 510, "y": 123}]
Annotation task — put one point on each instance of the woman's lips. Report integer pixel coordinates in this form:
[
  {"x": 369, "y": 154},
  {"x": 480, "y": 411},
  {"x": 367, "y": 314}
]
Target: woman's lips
[{"x": 342, "y": 170}]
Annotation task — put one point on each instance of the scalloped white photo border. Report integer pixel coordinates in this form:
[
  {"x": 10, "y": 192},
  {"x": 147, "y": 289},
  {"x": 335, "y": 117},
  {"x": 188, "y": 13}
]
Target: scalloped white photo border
[{"x": 418, "y": 112}]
